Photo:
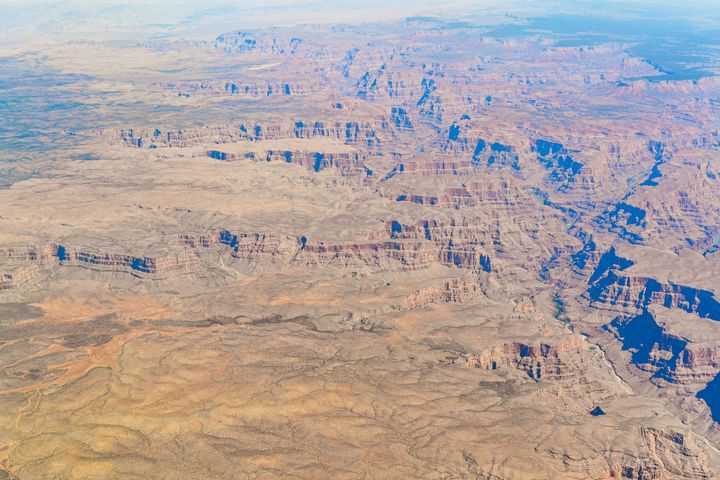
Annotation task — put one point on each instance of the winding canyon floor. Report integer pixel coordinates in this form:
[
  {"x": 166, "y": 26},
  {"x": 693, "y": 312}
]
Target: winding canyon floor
[{"x": 407, "y": 249}]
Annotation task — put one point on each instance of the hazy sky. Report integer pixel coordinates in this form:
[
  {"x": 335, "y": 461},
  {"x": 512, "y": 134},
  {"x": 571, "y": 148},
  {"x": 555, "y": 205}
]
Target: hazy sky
[{"x": 26, "y": 20}]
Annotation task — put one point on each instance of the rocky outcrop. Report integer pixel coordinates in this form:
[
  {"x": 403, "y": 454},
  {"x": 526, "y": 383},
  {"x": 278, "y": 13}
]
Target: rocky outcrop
[
  {"x": 499, "y": 193},
  {"x": 640, "y": 292},
  {"x": 253, "y": 89},
  {"x": 383, "y": 82},
  {"x": 38, "y": 260},
  {"x": 671, "y": 454},
  {"x": 669, "y": 358},
  {"x": 608, "y": 262},
  {"x": 136, "y": 265},
  {"x": 653, "y": 349},
  {"x": 541, "y": 361},
  {"x": 661, "y": 154},
  {"x": 18, "y": 276},
  {"x": 384, "y": 251},
  {"x": 370, "y": 83},
  {"x": 697, "y": 363},
  {"x": 246, "y": 42},
  {"x": 558, "y": 159},
  {"x": 383, "y": 255},
  {"x": 245, "y": 246},
  {"x": 437, "y": 165},
  {"x": 588, "y": 255},
  {"x": 495, "y": 154},
  {"x": 365, "y": 133},
  {"x": 23, "y": 264},
  {"x": 399, "y": 117},
  {"x": 458, "y": 243},
  {"x": 456, "y": 290},
  {"x": 397, "y": 247},
  {"x": 26, "y": 254},
  {"x": 628, "y": 221},
  {"x": 396, "y": 253},
  {"x": 609, "y": 287},
  {"x": 345, "y": 163}
]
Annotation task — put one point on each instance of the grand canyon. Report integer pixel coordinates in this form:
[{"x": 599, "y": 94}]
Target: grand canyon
[{"x": 454, "y": 240}]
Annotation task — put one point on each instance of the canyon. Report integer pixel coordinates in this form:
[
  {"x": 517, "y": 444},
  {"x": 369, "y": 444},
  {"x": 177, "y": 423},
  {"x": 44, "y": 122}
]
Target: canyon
[{"x": 415, "y": 247}]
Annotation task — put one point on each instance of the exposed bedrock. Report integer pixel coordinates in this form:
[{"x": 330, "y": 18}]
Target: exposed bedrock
[
  {"x": 401, "y": 253},
  {"x": 366, "y": 133},
  {"x": 496, "y": 192},
  {"x": 413, "y": 249},
  {"x": 247, "y": 42},
  {"x": 485, "y": 153},
  {"x": 628, "y": 221},
  {"x": 542, "y": 361},
  {"x": 608, "y": 286},
  {"x": 380, "y": 250},
  {"x": 247, "y": 246},
  {"x": 672, "y": 453},
  {"x": 456, "y": 290},
  {"x": 267, "y": 88},
  {"x": 133, "y": 264},
  {"x": 31, "y": 262},
  {"x": 26, "y": 254},
  {"x": 18, "y": 276},
  {"x": 375, "y": 252},
  {"x": 588, "y": 255},
  {"x": 558, "y": 159},
  {"x": 345, "y": 163},
  {"x": 653, "y": 349}
]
